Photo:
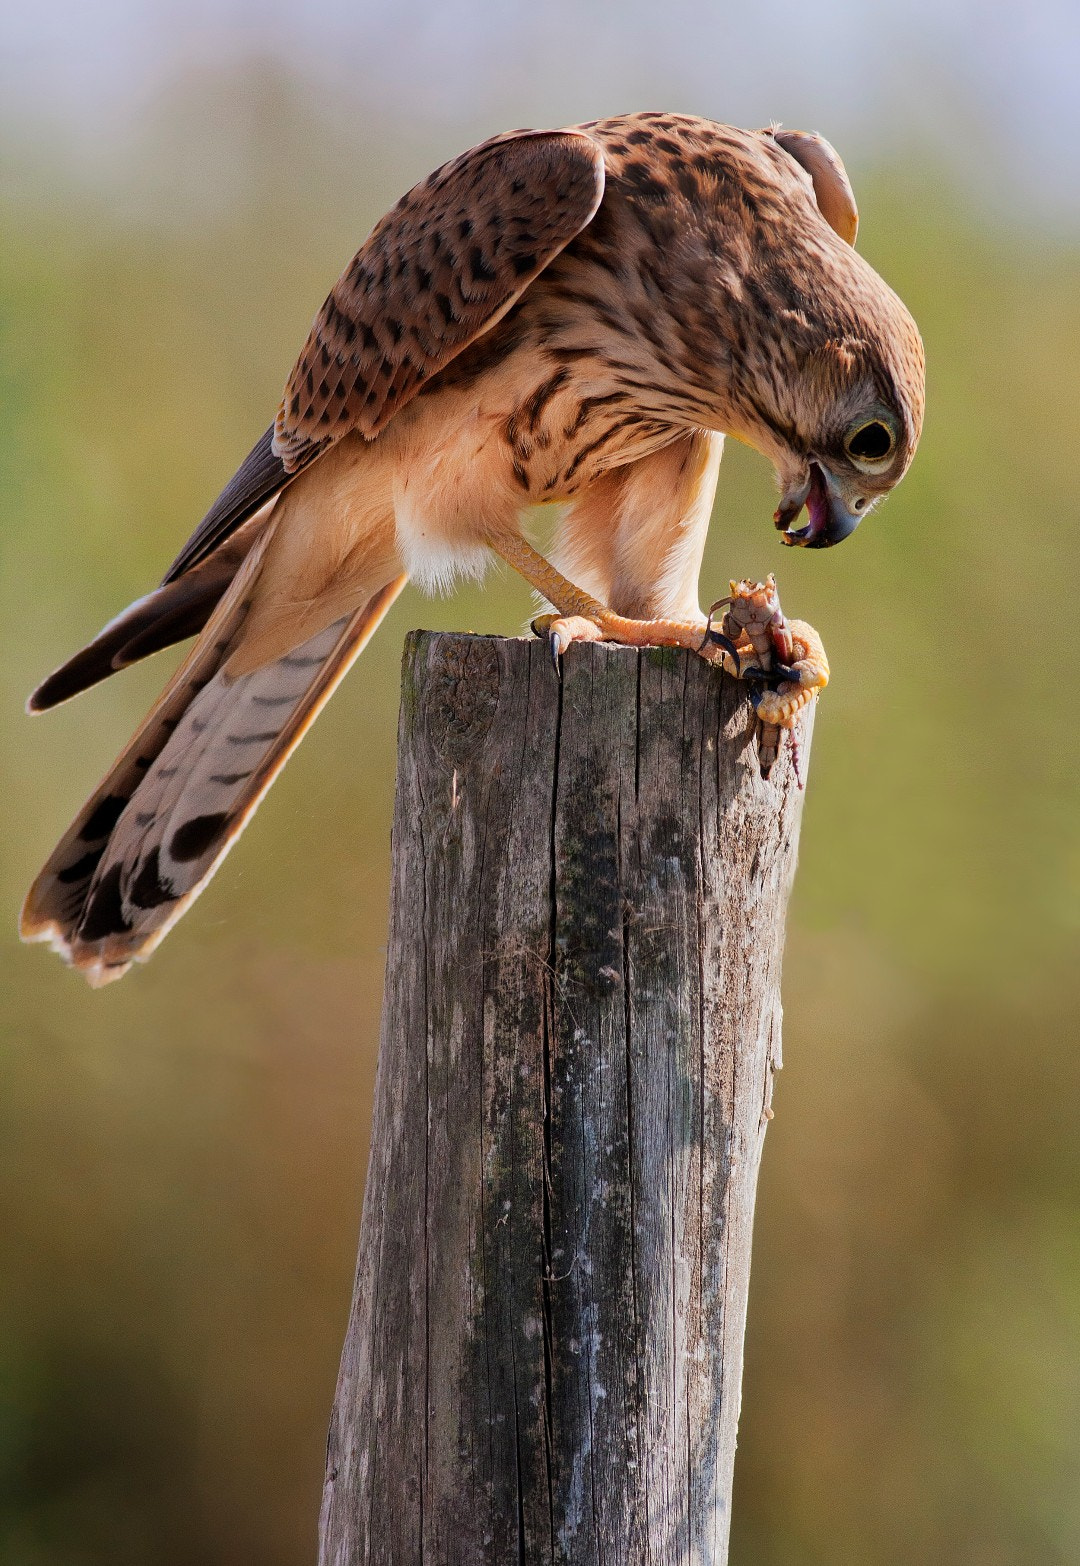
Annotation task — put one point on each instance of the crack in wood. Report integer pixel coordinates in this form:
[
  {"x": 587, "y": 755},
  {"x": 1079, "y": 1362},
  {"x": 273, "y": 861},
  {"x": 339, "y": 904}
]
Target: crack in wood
[{"x": 581, "y": 1020}]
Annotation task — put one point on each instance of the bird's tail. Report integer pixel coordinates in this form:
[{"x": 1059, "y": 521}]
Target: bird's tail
[{"x": 148, "y": 840}]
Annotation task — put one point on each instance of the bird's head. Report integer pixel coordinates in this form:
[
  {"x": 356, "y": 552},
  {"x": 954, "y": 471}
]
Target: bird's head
[
  {"x": 849, "y": 432},
  {"x": 837, "y": 402}
]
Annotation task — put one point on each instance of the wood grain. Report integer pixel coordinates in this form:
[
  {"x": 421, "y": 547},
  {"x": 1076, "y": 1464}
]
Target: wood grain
[{"x": 580, "y": 1027}]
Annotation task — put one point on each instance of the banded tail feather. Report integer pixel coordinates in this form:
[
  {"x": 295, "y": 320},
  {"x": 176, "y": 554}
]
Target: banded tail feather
[{"x": 149, "y": 839}]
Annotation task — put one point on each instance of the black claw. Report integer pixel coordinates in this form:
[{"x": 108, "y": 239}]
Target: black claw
[
  {"x": 782, "y": 671},
  {"x": 718, "y": 639},
  {"x": 555, "y": 646}
]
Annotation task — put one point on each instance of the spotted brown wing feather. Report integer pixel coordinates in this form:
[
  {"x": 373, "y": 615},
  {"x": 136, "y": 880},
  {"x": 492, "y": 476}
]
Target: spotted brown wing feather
[{"x": 438, "y": 271}]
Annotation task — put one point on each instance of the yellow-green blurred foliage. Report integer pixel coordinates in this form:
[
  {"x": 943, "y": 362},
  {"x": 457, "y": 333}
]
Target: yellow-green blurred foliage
[{"x": 181, "y": 1156}]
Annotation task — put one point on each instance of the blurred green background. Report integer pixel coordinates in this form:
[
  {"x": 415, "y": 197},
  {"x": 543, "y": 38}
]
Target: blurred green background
[{"x": 182, "y": 1155}]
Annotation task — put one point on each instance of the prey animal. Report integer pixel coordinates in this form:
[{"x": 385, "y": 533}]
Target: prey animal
[{"x": 576, "y": 315}]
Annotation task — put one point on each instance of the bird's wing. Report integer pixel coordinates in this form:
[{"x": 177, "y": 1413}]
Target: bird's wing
[
  {"x": 832, "y": 188},
  {"x": 436, "y": 273},
  {"x": 171, "y": 613},
  {"x": 439, "y": 270}
]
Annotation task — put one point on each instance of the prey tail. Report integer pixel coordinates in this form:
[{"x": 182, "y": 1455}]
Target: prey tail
[{"x": 146, "y": 843}]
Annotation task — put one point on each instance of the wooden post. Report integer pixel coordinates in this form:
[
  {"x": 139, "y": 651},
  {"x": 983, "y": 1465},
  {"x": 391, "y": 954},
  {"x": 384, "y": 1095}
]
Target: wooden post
[{"x": 580, "y": 1026}]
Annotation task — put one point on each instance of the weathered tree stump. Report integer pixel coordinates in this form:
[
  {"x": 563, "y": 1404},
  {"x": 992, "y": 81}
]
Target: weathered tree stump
[{"x": 580, "y": 1026}]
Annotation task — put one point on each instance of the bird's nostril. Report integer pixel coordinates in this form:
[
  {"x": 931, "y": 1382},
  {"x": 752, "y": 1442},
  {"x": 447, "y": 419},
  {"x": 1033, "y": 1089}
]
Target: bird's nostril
[{"x": 860, "y": 503}]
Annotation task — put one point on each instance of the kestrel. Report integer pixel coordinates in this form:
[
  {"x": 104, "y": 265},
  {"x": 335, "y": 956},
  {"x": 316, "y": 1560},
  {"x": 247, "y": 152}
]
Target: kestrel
[{"x": 576, "y": 315}]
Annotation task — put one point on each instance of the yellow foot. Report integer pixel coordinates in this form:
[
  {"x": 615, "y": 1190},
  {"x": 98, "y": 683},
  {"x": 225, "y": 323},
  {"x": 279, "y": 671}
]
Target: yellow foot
[
  {"x": 783, "y": 659},
  {"x": 603, "y": 625},
  {"x": 562, "y": 629},
  {"x": 786, "y": 656}
]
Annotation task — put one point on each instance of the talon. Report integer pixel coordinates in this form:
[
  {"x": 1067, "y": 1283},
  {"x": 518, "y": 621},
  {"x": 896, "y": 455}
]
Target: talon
[
  {"x": 562, "y": 630},
  {"x": 718, "y": 639}
]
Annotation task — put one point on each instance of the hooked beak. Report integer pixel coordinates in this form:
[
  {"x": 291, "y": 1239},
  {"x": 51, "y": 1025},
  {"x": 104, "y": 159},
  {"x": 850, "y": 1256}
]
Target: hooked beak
[{"x": 831, "y": 520}]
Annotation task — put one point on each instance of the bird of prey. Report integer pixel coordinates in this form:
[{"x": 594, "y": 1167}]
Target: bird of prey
[{"x": 575, "y": 315}]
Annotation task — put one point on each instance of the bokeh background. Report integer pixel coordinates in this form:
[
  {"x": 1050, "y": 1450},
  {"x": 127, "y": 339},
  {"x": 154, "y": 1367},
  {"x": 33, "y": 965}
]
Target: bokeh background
[{"x": 182, "y": 1155}]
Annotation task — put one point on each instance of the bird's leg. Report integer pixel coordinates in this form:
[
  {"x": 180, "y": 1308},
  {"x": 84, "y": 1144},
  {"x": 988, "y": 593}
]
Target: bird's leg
[
  {"x": 790, "y": 660},
  {"x": 580, "y": 617},
  {"x": 784, "y": 659}
]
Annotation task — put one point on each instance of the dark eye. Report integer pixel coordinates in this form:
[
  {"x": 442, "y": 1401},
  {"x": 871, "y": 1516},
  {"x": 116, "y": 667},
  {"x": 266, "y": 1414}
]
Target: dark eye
[{"x": 870, "y": 442}]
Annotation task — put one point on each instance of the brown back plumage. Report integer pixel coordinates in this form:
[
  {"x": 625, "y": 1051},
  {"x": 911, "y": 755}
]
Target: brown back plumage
[{"x": 440, "y": 269}]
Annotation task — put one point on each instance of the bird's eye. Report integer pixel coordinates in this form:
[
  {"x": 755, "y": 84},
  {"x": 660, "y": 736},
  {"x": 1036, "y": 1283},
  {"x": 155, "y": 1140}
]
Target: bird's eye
[{"x": 870, "y": 442}]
